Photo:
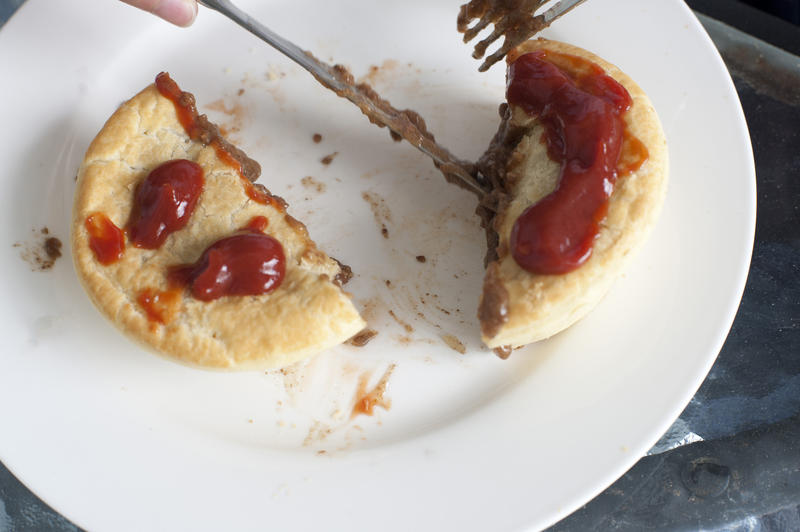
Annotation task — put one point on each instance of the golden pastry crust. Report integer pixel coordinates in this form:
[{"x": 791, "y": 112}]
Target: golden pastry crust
[
  {"x": 305, "y": 315},
  {"x": 539, "y": 306}
]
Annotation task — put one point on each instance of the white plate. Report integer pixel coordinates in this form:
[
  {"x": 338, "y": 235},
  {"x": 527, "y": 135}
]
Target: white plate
[{"x": 118, "y": 439}]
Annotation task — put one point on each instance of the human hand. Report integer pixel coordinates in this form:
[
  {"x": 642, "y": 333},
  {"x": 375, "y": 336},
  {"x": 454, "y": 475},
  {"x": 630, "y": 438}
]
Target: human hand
[{"x": 178, "y": 12}]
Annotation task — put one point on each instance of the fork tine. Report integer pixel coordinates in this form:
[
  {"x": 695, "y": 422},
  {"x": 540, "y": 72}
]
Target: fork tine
[
  {"x": 481, "y": 47},
  {"x": 497, "y": 56},
  {"x": 476, "y": 29},
  {"x": 506, "y": 16},
  {"x": 469, "y": 12}
]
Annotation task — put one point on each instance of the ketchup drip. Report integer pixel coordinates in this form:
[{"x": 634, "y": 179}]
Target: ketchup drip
[
  {"x": 164, "y": 201},
  {"x": 582, "y": 109},
  {"x": 184, "y": 104},
  {"x": 256, "y": 224},
  {"x": 259, "y": 195},
  {"x": 106, "y": 240},
  {"x": 159, "y": 305},
  {"x": 244, "y": 264},
  {"x": 188, "y": 117}
]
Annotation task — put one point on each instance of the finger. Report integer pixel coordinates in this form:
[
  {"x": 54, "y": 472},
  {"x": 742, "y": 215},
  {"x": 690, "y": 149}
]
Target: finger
[{"x": 178, "y": 12}]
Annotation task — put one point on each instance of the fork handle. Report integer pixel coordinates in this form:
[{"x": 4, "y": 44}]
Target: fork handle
[
  {"x": 291, "y": 50},
  {"x": 559, "y": 9},
  {"x": 453, "y": 169}
]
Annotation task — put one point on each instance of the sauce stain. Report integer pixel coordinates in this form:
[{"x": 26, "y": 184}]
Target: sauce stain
[
  {"x": 367, "y": 400},
  {"x": 378, "y": 74},
  {"x": 363, "y": 338},
  {"x": 380, "y": 210},
  {"x": 318, "y": 432},
  {"x": 409, "y": 329},
  {"x": 42, "y": 253},
  {"x": 310, "y": 182},
  {"x": 236, "y": 115},
  {"x": 454, "y": 343},
  {"x": 328, "y": 159},
  {"x": 371, "y": 308}
]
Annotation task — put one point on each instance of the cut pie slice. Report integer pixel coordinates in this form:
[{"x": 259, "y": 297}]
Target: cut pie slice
[
  {"x": 180, "y": 250},
  {"x": 550, "y": 263}
]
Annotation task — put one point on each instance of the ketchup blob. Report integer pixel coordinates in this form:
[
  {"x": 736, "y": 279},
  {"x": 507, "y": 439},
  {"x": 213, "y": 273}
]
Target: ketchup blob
[
  {"x": 244, "y": 264},
  {"x": 106, "y": 240},
  {"x": 581, "y": 108},
  {"x": 164, "y": 201}
]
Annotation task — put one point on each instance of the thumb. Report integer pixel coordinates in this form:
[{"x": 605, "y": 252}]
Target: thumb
[{"x": 178, "y": 12}]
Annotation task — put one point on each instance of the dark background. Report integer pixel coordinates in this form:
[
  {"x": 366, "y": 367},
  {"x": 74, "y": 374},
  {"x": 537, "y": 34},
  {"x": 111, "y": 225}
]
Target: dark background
[
  {"x": 773, "y": 21},
  {"x": 785, "y": 9}
]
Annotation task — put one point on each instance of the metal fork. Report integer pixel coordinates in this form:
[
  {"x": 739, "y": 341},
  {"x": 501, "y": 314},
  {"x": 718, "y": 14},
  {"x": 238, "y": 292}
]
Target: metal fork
[
  {"x": 515, "y": 20},
  {"x": 379, "y": 111}
]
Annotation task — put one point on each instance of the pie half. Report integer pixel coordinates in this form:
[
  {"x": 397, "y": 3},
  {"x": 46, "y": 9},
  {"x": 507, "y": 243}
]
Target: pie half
[
  {"x": 307, "y": 313},
  {"x": 517, "y": 306}
]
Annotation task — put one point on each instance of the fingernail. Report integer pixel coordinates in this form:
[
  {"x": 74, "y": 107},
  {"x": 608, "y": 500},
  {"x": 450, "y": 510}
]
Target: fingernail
[
  {"x": 193, "y": 5},
  {"x": 179, "y": 12},
  {"x": 189, "y": 9}
]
